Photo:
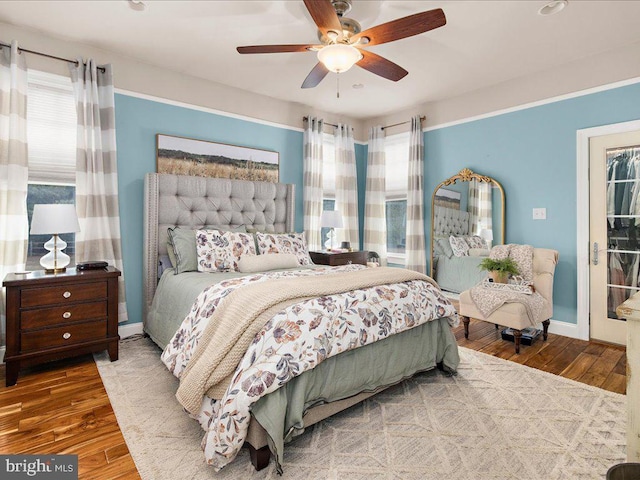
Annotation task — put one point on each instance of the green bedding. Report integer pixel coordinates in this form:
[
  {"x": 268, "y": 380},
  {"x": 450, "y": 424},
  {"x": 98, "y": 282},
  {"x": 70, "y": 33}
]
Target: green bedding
[
  {"x": 352, "y": 372},
  {"x": 457, "y": 274},
  {"x": 174, "y": 298}
]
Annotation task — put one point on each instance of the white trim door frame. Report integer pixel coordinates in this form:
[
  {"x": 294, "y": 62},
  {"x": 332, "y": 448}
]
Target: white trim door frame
[{"x": 582, "y": 215}]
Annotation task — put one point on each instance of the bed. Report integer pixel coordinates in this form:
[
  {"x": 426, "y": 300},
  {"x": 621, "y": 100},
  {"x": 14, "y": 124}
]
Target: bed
[
  {"x": 454, "y": 273},
  {"x": 336, "y": 383}
]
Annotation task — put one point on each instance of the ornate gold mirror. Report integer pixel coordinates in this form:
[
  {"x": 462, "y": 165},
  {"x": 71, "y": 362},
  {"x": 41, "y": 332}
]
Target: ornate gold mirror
[{"x": 470, "y": 208}]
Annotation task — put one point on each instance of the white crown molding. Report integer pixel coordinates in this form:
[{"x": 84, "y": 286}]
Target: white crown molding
[
  {"x": 214, "y": 111},
  {"x": 538, "y": 103}
]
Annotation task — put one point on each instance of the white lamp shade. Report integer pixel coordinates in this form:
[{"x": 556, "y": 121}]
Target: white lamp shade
[
  {"x": 331, "y": 219},
  {"x": 486, "y": 234},
  {"x": 339, "y": 57},
  {"x": 54, "y": 219}
]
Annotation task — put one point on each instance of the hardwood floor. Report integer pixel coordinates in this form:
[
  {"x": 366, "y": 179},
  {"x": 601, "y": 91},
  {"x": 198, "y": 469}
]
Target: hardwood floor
[
  {"x": 62, "y": 407},
  {"x": 592, "y": 363}
]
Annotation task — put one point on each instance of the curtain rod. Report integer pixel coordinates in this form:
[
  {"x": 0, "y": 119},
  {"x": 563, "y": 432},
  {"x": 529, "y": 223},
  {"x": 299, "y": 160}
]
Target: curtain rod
[
  {"x": 75, "y": 62},
  {"x": 305, "y": 118},
  {"x": 422, "y": 117}
]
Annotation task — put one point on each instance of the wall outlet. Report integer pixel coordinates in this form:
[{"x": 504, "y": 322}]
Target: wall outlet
[{"x": 539, "y": 213}]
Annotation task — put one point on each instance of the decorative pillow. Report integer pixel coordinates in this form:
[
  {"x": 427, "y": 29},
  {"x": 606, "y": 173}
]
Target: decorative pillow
[
  {"x": 476, "y": 242},
  {"x": 459, "y": 246},
  {"x": 284, "y": 243},
  {"x": 220, "y": 251},
  {"x": 478, "y": 252},
  {"x": 443, "y": 247},
  {"x": 181, "y": 248},
  {"x": 264, "y": 263},
  {"x": 181, "y": 244}
]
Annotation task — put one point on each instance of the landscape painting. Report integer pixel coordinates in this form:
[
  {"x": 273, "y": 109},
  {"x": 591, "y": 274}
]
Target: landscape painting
[
  {"x": 186, "y": 156},
  {"x": 447, "y": 198}
]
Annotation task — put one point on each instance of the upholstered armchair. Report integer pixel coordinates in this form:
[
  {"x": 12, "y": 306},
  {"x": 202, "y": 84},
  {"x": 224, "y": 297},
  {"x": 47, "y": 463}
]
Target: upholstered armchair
[{"x": 514, "y": 315}]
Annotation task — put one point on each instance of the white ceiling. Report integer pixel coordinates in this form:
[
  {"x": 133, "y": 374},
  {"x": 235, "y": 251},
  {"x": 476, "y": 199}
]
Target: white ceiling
[{"x": 484, "y": 43}]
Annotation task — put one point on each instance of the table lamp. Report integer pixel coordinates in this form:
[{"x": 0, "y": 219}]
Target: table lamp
[
  {"x": 487, "y": 235},
  {"x": 331, "y": 219},
  {"x": 54, "y": 219}
]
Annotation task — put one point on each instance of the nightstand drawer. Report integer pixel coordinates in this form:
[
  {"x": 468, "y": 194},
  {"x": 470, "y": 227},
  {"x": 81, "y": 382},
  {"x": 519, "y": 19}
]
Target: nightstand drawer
[
  {"x": 52, "y": 316},
  {"x": 36, "y": 297},
  {"x": 64, "y": 335}
]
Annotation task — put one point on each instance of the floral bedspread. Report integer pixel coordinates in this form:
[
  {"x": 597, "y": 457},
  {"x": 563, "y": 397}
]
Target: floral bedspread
[{"x": 294, "y": 341}]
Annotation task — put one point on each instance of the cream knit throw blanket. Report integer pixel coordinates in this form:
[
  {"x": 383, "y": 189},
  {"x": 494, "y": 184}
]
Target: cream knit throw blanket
[
  {"x": 243, "y": 313},
  {"x": 488, "y": 300}
]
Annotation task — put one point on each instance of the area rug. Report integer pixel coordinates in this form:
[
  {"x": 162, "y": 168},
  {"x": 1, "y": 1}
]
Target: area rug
[{"x": 494, "y": 420}]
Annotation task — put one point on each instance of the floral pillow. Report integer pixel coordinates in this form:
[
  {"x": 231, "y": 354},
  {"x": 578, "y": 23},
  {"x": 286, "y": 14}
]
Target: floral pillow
[
  {"x": 476, "y": 241},
  {"x": 221, "y": 251},
  {"x": 284, "y": 243},
  {"x": 459, "y": 246}
]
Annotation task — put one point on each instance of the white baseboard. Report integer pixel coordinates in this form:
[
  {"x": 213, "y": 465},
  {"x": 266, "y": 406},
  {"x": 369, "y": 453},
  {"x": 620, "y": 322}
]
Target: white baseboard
[
  {"x": 563, "y": 328},
  {"x": 130, "y": 330}
]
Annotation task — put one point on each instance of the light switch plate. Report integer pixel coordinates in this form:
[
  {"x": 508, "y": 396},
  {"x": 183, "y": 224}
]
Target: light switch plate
[{"x": 539, "y": 213}]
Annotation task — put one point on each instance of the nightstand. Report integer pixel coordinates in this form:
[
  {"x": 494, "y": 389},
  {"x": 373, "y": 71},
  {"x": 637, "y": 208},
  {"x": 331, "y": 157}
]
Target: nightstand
[
  {"x": 342, "y": 258},
  {"x": 52, "y": 316}
]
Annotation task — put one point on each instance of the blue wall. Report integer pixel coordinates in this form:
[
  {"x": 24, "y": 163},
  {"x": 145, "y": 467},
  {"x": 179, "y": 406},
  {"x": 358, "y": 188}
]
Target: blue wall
[
  {"x": 137, "y": 123},
  {"x": 532, "y": 153}
]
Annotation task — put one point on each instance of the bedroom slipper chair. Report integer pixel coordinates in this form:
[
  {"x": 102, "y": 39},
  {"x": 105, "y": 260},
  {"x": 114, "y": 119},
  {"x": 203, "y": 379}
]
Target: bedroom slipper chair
[{"x": 514, "y": 315}]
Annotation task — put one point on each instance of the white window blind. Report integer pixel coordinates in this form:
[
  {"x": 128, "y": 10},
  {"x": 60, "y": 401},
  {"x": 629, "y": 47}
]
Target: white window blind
[
  {"x": 396, "y": 148},
  {"x": 51, "y": 129}
]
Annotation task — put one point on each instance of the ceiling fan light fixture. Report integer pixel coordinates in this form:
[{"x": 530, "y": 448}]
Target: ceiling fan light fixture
[
  {"x": 340, "y": 57},
  {"x": 554, "y": 7}
]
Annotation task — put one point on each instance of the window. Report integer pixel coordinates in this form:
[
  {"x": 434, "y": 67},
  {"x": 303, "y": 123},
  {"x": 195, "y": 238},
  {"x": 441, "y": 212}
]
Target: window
[
  {"x": 328, "y": 179},
  {"x": 396, "y": 149},
  {"x": 396, "y": 213},
  {"x": 51, "y": 133}
]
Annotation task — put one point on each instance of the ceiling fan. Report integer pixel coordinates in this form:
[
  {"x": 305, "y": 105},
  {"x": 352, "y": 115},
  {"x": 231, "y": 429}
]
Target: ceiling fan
[{"x": 342, "y": 40}]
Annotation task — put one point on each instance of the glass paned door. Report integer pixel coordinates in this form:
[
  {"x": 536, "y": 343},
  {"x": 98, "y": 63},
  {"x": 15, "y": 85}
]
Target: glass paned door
[{"x": 614, "y": 231}]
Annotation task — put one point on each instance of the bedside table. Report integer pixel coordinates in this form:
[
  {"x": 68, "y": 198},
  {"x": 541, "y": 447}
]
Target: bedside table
[
  {"x": 342, "y": 258},
  {"x": 52, "y": 316}
]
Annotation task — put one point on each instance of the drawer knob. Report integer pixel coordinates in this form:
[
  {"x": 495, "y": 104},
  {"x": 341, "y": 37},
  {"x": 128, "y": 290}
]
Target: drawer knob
[
  {"x": 66, "y": 294},
  {"x": 66, "y": 315},
  {"x": 66, "y": 336}
]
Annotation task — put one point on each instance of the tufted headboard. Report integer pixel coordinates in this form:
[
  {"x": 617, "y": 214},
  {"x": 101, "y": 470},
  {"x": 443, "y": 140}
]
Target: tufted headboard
[
  {"x": 449, "y": 221},
  {"x": 200, "y": 202}
]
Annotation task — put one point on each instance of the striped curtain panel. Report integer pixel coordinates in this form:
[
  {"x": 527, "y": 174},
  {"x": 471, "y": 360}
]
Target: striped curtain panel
[
  {"x": 472, "y": 208},
  {"x": 347, "y": 184},
  {"x": 97, "y": 171},
  {"x": 416, "y": 256},
  {"x": 14, "y": 168},
  {"x": 312, "y": 181},
  {"x": 375, "y": 222},
  {"x": 485, "y": 209}
]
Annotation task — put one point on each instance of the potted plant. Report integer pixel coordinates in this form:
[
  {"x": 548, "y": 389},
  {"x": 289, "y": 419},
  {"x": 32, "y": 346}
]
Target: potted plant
[{"x": 499, "y": 270}]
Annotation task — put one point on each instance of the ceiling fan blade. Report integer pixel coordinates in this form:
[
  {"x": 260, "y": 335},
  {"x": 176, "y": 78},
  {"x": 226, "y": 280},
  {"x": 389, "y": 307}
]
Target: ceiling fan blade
[
  {"x": 381, "y": 66},
  {"x": 276, "y": 48},
  {"x": 315, "y": 76},
  {"x": 403, "y": 27},
  {"x": 324, "y": 15}
]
